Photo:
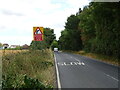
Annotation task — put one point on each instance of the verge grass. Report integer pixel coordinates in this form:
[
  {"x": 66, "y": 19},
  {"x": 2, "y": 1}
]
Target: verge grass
[
  {"x": 0, "y": 69},
  {"x": 104, "y": 58},
  {"x": 37, "y": 64}
]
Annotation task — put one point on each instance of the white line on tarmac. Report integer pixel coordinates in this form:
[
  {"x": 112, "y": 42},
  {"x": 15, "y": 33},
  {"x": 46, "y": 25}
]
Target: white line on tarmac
[
  {"x": 83, "y": 63},
  {"x": 111, "y": 77},
  {"x": 77, "y": 60},
  {"x": 58, "y": 77}
]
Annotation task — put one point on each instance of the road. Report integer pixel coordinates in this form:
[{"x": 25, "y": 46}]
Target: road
[{"x": 76, "y": 71}]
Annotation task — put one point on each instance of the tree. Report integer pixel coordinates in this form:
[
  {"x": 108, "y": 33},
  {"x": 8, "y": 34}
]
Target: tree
[
  {"x": 49, "y": 36},
  {"x": 72, "y": 23},
  {"x": 54, "y": 44},
  {"x": 87, "y": 26},
  {"x": 65, "y": 40},
  {"x": 38, "y": 45},
  {"x": 100, "y": 23},
  {"x": 70, "y": 38}
]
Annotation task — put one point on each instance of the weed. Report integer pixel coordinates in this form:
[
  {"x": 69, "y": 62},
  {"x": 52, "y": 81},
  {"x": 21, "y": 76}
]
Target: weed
[{"x": 27, "y": 69}]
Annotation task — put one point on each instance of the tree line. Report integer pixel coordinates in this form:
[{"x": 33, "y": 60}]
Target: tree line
[{"x": 95, "y": 29}]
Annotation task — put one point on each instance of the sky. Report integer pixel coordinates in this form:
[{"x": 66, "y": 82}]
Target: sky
[{"x": 18, "y": 17}]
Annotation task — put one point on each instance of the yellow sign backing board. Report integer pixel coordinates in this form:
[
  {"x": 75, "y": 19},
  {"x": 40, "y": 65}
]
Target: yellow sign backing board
[{"x": 38, "y": 33}]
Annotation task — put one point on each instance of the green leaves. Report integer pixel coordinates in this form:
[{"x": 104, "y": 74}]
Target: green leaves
[
  {"x": 72, "y": 22},
  {"x": 26, "y": 82},
  {"x": 99, "y": 24},
  {"x": 96, "y": 28},
  {"x": 28, "y": 69},
  {"x": 54, "y": 44},
  {"x": 70, "y": 38},
  {"x": 32, "y": 83}
]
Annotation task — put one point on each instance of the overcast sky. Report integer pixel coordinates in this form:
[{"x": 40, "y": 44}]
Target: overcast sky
[{"x": 17, "y": 17}]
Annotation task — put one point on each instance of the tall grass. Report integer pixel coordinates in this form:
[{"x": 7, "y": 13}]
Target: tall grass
[
  {"x": 101, "y": 57},
  {"x": 0, "y": 69},
  {"x": 35, "y": 64}
]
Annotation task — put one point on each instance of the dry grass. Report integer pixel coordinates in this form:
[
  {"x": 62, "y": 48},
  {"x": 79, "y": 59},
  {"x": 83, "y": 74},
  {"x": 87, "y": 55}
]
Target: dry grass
[
  {"x": 35, "y": 64},
  {"x": 6, "y": 52},
  {"x": 104, "y": 58},
  {"x": 0, "y": 65}
]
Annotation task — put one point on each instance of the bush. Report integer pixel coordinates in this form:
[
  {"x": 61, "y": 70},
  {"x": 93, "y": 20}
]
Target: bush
[{"x": 26, "y": 82}]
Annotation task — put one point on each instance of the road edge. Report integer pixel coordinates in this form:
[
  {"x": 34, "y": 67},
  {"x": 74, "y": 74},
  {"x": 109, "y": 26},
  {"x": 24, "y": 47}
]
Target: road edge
[
  {"x": 57, "y": 72},
  {"x": 96, "y": 60}
]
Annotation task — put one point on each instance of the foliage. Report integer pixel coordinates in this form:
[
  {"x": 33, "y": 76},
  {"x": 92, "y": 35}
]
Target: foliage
[
  {"x": 70, "y": 37},
  {"x": 49, "y": 36},
  {"x": 38, "y": 45},
  {"x": 54, "y": 44},
  {"x": 0, "y": 44},
  {"x": 101, "y": 57},
  {"x": 27, "y": 68},
  {"x": 72, "y": 23},
  {"x": 26, "y": 83},
  {"x": 95, "y": 29},
  {"x": 100, "y": 28},
  {"x": 87, "y": 28}
]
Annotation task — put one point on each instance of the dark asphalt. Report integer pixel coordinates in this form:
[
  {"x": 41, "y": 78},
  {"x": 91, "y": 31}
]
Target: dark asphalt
[{"x": 76, "y": 71}]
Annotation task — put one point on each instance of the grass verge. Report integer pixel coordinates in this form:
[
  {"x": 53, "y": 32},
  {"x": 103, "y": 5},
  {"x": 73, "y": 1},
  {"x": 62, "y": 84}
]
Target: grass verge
[
  {"x": 28, "y": 69},
  {"x": 104, "y": 58}
]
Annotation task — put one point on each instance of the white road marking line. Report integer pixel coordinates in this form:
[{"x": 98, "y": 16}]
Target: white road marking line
[
  {"x": 70, "y": 63},
  {"x": 75, "y": 63},
  {"x": 111, "y": 77},
  {"x": 60, "y": 63},
  {"x": 64, "y": 63},
  {"x": 57, "y": 72},
  {"x": 83, "y": 63},
  {"x": 77, "y": 60},
  {"x": 80, "y": 62}
]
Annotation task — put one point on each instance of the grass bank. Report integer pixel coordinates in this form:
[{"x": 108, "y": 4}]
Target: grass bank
[
  {"x": 104, "y": 58},
  {"x": 28, "y": 69}
]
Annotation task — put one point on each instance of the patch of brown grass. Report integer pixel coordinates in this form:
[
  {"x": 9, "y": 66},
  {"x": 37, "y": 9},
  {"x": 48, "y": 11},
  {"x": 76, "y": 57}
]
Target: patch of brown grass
[
  {"x": 104, "y": 58},
  {"x": 6, "y": 52},
  {"x": 35, "y": 64}
]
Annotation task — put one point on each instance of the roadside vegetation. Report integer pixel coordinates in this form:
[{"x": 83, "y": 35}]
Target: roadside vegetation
[
  {"x": 28, "y": 69},
  {"x": 101, "y": 57},
  {"x": 95, "y": 29}
]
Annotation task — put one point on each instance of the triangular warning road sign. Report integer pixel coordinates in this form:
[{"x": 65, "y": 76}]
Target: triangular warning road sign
[{"x": 38, "y": 31}]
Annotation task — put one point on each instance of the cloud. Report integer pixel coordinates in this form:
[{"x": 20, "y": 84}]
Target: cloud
[
  {"x": 19, "y": 16},
  {"x": 17, "y": 40},
  {"x": 2, "y": 27},
  {"x": 8, "y": 12}
]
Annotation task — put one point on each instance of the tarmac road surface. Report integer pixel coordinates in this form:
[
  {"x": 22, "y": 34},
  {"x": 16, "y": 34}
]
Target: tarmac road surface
[{"x": 76, "y": 71}]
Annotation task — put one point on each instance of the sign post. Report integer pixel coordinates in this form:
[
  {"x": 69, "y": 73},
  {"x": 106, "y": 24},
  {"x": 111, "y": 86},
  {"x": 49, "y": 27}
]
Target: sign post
[{"x": 38, "y": 33}]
